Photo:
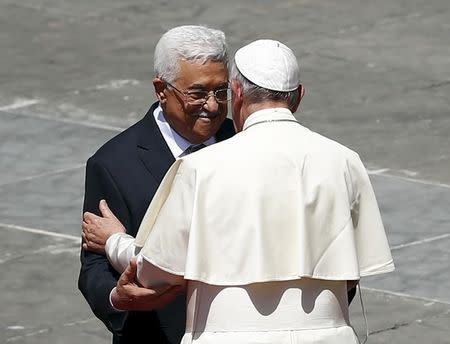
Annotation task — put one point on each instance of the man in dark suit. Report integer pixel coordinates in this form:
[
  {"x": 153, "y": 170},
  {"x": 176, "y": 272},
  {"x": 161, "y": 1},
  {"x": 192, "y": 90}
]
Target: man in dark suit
[{"x": 191, "y": 84}]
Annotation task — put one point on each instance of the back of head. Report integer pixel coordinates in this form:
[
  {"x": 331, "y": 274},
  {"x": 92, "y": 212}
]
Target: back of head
[
  {"x": 188, "y": 42},
  {"x": 267, "y": 70}
]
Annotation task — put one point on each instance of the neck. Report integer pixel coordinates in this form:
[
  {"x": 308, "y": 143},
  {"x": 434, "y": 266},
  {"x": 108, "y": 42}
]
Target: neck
[{"x": 248, "y": 109}]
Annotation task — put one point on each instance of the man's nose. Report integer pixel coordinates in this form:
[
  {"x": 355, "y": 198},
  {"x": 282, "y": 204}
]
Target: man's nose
[{"x": 211, "y": 103}]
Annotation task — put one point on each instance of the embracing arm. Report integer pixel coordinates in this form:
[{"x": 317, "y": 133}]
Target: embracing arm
[
  {"x": 129, "y": 294},
  {"x": 107, "y": 236},
  {"x": 97, "y": 277}
]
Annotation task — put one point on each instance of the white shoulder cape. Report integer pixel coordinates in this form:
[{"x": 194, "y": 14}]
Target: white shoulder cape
[{"x": 280, "y": 221}]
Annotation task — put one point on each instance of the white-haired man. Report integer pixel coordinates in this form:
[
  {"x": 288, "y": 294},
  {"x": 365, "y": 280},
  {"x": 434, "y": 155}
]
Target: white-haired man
[
  {"x": 268, "y": 229},
  {"x": 191, "y": 84}
]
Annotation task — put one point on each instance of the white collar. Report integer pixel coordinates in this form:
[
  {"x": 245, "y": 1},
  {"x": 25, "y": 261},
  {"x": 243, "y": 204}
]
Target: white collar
[
  {"x": 177, "y": 143},
  {"x": 268, "y": 114}
]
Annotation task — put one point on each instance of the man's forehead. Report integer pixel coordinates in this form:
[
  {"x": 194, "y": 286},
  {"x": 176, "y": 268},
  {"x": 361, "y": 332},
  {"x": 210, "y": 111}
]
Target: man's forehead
[{"x": 202, "y": 73}]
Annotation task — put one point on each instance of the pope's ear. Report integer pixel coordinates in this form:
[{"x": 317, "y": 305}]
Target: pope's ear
[
  {"x": 301, "y": 93},
  {"x": 236, "y": 88},
  {"x": 160, "y": 85}
]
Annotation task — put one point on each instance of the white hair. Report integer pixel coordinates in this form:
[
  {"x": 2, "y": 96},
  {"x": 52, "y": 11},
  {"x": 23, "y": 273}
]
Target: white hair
[
  {"x": 255, "y": 94},
  {"x": 188, "y": 42}
]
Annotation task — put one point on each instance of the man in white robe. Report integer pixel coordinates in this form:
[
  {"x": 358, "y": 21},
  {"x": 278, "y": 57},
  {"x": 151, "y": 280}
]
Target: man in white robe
[{"x": 268, "y": 228}]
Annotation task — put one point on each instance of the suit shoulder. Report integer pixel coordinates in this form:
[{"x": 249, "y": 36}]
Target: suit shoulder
[
  {"x": 226, "y": 130},
  {"x": 118, "y": 146},
  {"x": 228, "y": 126}
]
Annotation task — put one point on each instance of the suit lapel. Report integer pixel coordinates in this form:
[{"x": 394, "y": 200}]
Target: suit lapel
[{"x": 152, "y": 148}]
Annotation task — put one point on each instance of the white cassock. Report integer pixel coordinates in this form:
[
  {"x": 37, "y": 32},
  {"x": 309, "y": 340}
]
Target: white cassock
[{"x": 266, "y": 228}]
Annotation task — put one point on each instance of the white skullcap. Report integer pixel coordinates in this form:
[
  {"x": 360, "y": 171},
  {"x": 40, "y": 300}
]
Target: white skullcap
[{"x": 269, "y": 64}]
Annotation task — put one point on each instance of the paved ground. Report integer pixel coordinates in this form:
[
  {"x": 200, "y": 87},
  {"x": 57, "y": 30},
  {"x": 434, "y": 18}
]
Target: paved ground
[{"x": 73, "y": 73}]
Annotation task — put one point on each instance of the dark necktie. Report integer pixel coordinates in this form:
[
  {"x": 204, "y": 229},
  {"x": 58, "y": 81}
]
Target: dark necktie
[{"x": 192, "y": 149}]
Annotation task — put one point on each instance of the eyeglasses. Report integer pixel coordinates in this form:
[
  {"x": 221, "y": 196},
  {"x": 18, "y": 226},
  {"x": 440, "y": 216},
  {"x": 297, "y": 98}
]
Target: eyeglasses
[{"x": 200, "y": 97}]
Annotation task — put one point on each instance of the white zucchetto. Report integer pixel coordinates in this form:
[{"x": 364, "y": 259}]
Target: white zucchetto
[{"x": 269, "y": 64}]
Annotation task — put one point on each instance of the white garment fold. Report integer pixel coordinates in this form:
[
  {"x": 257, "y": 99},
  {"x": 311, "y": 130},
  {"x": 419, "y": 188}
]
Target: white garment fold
[
  {"x": 275, "y": 202},
  {"x": 303, "y": 311}
]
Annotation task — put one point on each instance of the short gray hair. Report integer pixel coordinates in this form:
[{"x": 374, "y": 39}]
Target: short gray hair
[
  {"x": 188, "y": 42},
  {"x": 256, "y": 94}
]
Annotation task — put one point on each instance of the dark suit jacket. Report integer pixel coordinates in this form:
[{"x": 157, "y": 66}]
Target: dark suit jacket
[{"x": 126, "y": 172}]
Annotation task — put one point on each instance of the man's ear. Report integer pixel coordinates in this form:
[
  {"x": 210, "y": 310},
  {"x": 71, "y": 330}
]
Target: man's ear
[
  {"x": 236, "y": 89},
  {"x": 160, "y": 85},
  {"x": 301, "y": 93},
  {"x": 237, "y": 103}
]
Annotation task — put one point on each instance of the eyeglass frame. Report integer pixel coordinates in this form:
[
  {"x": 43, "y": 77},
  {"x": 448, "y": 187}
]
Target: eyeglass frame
[{"x": 203, "y": 100}]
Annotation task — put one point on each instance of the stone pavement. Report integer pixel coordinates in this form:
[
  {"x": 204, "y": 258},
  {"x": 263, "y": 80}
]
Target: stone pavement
[{"x": 74, "y": 73}]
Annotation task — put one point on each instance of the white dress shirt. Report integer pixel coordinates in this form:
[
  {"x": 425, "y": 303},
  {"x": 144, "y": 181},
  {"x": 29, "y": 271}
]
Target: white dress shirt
[{"x": 177, "y": 143}]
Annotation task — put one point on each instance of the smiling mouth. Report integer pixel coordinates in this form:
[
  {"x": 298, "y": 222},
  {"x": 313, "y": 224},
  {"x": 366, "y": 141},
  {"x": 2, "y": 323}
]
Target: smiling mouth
[{"x": 204, "y": 115}]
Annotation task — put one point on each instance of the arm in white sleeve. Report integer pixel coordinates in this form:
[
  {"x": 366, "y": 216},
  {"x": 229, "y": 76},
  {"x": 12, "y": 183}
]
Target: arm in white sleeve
[
  {"x": 151, "y": 276},
  {"x": 119, "y": 250},
  {"x": 374, "y": 255}
]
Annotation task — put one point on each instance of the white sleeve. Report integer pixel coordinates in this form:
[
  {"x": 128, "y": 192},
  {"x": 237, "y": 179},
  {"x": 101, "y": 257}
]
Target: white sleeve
[
  {"x": 119, "y": 250},
  {"x": 374, "y": 255},
  {"x": 151, "y": 276},
  {"x": 111, "y": 303}
]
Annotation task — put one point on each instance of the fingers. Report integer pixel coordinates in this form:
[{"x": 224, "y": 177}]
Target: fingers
[
  {"x": 115, "y": 224},
  {"x": 93, "y": 247},
  {"x": 129, "y": 275},
  {"x": 135, "y": 298},
  {"x": 104, "y": 209},
  {"x": 89, "y": 234},
  {"x": 91, "y": 241},
  {"x": 163, "y": 289},
  {"x": 90, "y": 217},
  {"x": 129, "y": 296},
  {"x": 133, "y": 264},
  {"x": 91, "y": 244},
  {"x": 161, "y": 300}
]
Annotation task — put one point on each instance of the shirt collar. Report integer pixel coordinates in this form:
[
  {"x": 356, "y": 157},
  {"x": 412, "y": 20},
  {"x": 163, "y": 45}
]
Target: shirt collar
[
  {"x": 177, "y": 143},
  {"x": 268, "y": 114}
]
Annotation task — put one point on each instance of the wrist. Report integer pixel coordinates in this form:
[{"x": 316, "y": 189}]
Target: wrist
[{"x": 114, "y": 300}]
